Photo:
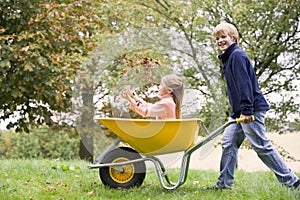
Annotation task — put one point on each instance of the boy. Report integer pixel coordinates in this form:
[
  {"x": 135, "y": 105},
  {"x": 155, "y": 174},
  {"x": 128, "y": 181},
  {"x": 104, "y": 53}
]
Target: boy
[{"x": 248, "y": 102}]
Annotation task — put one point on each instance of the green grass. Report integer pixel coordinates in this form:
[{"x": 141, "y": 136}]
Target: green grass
[{"x": 55, "y": 179}]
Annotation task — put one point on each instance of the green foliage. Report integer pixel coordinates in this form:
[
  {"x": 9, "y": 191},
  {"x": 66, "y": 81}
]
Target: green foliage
[
  {"x": 42, "y": 45},
  {"x": 139, "y": 71},
  {"x": 42, "y": 142},
  {"x": 269, "y": 33},
  {"x": 125, "y": 59},
  {"x": 283, "y": 126}
]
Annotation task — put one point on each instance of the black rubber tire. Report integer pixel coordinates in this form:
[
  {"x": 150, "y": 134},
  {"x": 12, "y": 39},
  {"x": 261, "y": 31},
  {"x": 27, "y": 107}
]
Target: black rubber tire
[{"x": 133, "y": 175}]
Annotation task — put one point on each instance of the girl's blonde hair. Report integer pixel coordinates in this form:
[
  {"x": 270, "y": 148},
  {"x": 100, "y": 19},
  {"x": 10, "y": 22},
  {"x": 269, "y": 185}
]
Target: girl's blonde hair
[
  {"x": 226, "y": 28},
  {"x": 175, "y": 83}
]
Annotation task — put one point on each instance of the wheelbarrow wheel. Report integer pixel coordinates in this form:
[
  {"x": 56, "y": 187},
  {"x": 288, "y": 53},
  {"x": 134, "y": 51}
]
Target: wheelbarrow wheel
[{"x": 125, "y": 176}]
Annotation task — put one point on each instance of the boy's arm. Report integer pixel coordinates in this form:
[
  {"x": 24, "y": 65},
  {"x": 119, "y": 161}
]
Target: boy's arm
[{"x": 242, "y": 69}]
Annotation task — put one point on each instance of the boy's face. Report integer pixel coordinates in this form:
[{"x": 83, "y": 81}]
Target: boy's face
[{"x": 223, "y": 41}]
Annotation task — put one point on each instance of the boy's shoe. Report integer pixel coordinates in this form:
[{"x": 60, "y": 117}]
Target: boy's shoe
[{"x": 296, "y": 185}]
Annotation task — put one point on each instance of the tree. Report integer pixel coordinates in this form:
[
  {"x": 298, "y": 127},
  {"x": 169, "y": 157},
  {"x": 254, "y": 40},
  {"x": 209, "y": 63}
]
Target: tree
[
  {"x": 42, "y": 45},
  {"x": 117, "y": 61},
  {"x": 190, "y": 51},
  {"x": 42, "y": 48},
  {"x": 189, "y": 25},
  {"x": 186, "y": 25},
  {"x": 269, "y": 32}
]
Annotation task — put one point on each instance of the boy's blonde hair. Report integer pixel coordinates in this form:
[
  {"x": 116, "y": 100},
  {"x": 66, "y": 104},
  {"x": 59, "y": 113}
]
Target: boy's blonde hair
[
  {"x": 175, "y": 83},
  {"x": 226, "y": 28}
]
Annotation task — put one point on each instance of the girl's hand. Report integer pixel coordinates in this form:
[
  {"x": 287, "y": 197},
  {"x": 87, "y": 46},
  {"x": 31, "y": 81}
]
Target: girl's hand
[
  {"x": 247, "y": 118},
  {"x": 129, "y": 96},
  {"x": 125, "y": 93}
]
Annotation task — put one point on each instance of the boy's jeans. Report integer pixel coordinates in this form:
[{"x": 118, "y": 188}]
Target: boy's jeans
[{"x": 234, "y": 136}]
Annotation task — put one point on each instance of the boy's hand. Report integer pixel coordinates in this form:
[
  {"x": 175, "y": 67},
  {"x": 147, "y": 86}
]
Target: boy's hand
[{"x": 247, "y": 118}]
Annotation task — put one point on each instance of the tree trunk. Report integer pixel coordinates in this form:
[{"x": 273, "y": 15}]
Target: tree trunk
[
  {"x": 87, "y": 124},
  {"x": 87, "y": 153}
]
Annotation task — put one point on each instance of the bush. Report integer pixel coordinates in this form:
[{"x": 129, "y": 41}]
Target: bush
[{"x": 42, "y": 142}]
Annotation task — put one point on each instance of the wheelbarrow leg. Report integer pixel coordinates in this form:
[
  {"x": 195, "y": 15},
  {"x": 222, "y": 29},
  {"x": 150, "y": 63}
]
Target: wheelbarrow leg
[
  {"x": 161, "y": 171},
  {"x": 163, "y": 176}
]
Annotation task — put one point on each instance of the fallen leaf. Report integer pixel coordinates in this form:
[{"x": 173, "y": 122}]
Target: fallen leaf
[
  {"x": 90, "y": 193},
  {"x": 195, "y": 182},
  {"x": 51, "y": 188}
]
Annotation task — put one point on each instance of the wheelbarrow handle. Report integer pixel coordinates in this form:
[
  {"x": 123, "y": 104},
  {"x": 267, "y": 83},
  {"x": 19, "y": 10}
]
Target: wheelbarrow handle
[
  {"x": 213, "y": 134},
  {"x": 240, "y": 120}
]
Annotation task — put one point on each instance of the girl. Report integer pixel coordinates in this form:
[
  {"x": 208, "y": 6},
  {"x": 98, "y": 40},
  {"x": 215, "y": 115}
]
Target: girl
[{"x": 169, "y": 107}]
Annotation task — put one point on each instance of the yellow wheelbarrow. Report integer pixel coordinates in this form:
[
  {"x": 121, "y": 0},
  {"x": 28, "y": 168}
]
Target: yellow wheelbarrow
[{"x": 124, "y": 166}]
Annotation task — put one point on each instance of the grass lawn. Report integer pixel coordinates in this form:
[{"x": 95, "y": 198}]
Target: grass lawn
[{"x": 56, "y": 179}]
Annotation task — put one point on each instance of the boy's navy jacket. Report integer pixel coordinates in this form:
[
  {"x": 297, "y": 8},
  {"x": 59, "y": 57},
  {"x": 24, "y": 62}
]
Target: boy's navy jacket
[{"x": 244, "y": 94}]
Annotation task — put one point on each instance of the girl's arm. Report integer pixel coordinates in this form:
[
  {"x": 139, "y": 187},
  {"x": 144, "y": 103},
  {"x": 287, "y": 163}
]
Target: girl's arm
[
  {"x": 136, "y": 104},
  {"x": 147, "y": 109},
  {"x": 141, "y": 107}
]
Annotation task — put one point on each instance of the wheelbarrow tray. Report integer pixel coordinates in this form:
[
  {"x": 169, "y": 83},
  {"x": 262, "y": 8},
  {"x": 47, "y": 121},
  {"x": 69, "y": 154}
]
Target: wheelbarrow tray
[{"x": 154, "y": 137}]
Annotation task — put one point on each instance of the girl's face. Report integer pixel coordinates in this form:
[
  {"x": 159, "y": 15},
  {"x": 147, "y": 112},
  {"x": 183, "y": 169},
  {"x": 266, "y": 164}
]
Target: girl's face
[
  {"x": 162, "y": 89},
  {"x": 223, "y": 41}
]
